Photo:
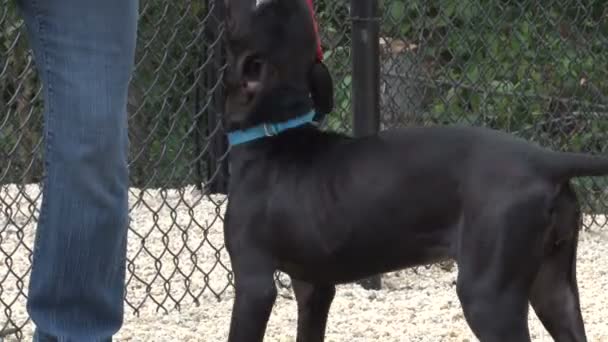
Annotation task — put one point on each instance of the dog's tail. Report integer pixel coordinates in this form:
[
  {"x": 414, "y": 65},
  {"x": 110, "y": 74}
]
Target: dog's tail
[{"x": 566, "y": 165}]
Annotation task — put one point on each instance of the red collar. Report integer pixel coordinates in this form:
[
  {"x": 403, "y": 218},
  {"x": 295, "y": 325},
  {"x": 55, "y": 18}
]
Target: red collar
[{"x": 312, "y": 13}]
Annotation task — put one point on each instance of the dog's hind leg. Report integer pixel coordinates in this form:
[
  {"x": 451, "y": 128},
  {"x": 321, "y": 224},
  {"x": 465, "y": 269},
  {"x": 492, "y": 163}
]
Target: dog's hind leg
[
  {"x": 499, "y": 255},
  {"x": 554, "y": 296},
  {"x": 494, "y": 315},
  {"x": 314, "y": 302},
  {"x": 255, "y": 294}
]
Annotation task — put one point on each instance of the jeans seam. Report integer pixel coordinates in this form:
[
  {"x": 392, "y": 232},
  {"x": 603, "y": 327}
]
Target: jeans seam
[
  {"x": 44, "y": 68},
  {"x": 49, "y": 136}
]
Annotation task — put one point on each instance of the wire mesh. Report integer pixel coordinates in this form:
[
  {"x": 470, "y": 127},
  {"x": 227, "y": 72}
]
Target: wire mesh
[
  {"x": 536, "y": 69},
  {"x": 176, "y": 158}
]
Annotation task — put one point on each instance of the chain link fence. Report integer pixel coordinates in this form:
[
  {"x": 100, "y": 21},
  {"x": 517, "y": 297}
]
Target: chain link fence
[{"x": 536, "y": 69}]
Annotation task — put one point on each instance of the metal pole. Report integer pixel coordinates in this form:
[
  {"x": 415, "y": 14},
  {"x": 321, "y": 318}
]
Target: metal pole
[
  {"x": 366, "y": 80},
  {"x": 365, "y": 66},
  {"x": 217, "y": 164},
  {"x": 200, "y": 127}
]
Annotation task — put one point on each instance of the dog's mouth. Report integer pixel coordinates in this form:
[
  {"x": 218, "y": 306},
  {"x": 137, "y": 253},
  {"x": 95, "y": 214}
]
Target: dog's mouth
[{"x": 251, "y": 70}]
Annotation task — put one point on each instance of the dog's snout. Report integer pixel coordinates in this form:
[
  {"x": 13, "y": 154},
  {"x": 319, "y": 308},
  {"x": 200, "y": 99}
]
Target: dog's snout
[{"x": 238, "y": 16}]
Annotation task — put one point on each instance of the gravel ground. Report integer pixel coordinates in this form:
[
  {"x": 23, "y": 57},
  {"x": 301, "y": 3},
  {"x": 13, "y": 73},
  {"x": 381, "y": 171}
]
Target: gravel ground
[{"x": 175, "y": 243}]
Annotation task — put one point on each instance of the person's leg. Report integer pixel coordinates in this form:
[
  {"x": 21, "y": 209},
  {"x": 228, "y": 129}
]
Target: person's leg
[{"x": 84, "y": 52}]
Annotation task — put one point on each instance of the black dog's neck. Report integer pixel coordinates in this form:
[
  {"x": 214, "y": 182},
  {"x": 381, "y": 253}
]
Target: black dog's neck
[
  {"x": 298, "y": 142},
  {"x": 280, "y": 105}
]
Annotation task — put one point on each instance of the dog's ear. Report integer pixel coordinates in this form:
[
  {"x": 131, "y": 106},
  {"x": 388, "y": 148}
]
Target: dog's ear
[{"x": 321, "y": 89}]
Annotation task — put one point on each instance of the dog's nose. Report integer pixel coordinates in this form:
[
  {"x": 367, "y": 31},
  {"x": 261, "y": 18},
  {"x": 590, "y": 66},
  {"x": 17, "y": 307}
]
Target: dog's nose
[
  {"x": 258, "y": 3},
  {"x": 238, "y": 16}
]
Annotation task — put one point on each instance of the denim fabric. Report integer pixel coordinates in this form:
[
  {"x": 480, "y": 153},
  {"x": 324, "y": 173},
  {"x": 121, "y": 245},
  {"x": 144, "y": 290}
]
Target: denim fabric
[{"x": 84, "y": 52}]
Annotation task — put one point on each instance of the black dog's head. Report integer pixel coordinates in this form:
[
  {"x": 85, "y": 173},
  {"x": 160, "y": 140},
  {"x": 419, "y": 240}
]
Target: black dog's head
[{"x": 273, "y": 73}]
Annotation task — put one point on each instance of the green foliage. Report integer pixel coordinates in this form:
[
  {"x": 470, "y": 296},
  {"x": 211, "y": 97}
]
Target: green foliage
[
  {"x": 537, "y": 69},
  {"x": 168, "y": 99},
  {"x": 520, "y": 66},
  {"x": 20, "y": 105},
  {"x": 166, "y": 113}
]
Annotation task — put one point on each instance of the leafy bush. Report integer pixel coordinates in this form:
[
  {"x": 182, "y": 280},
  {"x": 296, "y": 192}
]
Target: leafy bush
[{"x": 537, "y": 69}]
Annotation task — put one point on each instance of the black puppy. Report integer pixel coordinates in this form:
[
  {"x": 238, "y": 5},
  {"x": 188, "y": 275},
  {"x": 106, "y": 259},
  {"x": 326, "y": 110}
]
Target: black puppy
[{"x": 328, "y": 209}]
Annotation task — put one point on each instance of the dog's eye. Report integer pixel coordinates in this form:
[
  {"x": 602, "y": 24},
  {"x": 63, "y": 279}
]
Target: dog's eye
[{"x": 252, "y": 67}]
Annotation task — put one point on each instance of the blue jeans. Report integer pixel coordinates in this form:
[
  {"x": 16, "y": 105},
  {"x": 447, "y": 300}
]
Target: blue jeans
[{"x": 84, "y": 53}]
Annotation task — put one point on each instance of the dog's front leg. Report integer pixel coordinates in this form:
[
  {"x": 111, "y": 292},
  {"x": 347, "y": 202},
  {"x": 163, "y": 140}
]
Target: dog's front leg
[
  {"x": 314, "y": 302},
  {"x": 255, "y": 294}
]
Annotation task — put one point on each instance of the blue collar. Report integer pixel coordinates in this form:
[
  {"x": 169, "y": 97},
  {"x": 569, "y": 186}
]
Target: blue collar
[{"x": 268, "y": 129}]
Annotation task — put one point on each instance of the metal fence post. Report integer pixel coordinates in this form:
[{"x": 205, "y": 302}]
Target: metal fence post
[
  {"x": 217, "y": 168},
  {"x": 366, "y": 79},
  {"x": 365, "y": 66}
]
